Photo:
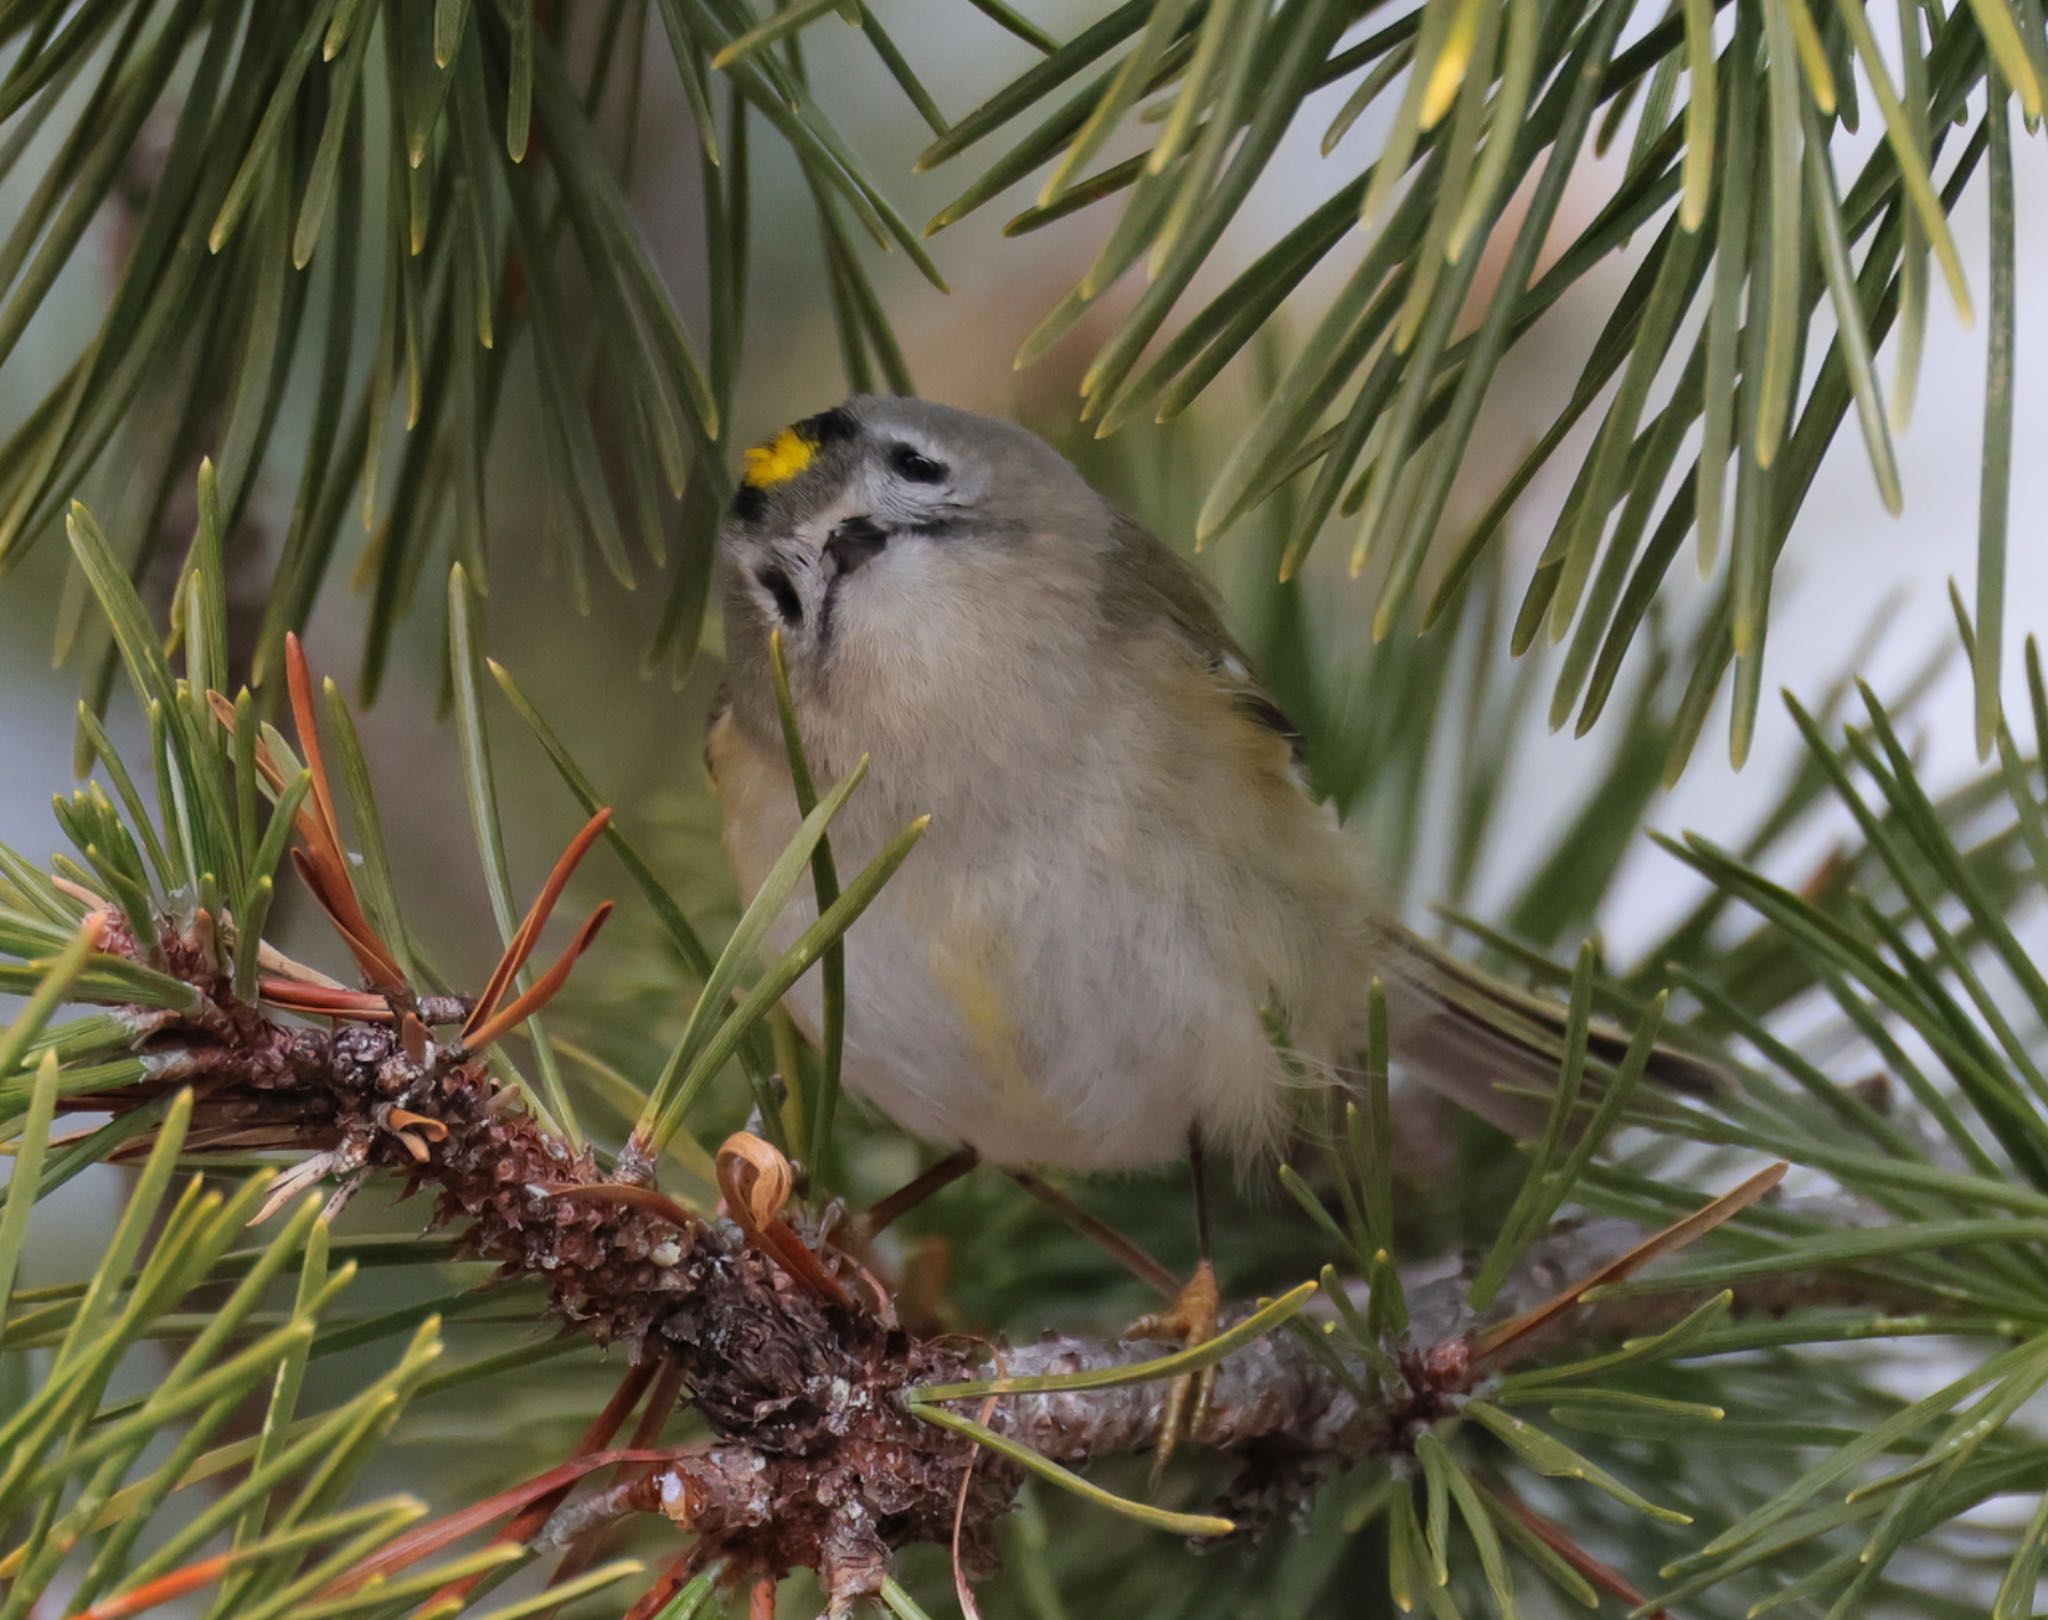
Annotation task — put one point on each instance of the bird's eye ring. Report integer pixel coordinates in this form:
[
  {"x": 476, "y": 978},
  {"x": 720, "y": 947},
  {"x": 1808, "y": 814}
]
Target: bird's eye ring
[{"x": 914, "y": 466}]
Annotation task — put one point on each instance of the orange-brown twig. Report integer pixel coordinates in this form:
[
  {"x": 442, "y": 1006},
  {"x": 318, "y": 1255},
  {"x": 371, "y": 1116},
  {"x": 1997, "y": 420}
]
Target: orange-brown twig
[
  {"x": 164, "y": 1589},
  {"x": 756, "y": 1182},
  {"x": 1675, "y": 1236},
  {"x": 405, "y": 1119},
  {"x": 1559, "y": 1541},
  {"x": 403, "y": 1551},
  {"x": 479, "y": 1033},
  {"x": 324, "y": 862},
  {"x": 528, "y": 933},
  {"x": 651, "y": 1199},
  {"x": 671, "y": 1581},
  {"x": 527, "y": 1523},
  {"x": 320, "y": 1002},
  {"x": 661, "y": 1405},
  {"x": 299, "y": 684}
]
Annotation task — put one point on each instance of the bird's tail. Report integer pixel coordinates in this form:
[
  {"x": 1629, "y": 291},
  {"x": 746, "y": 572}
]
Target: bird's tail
[{"x": 1488, "y": 1045}]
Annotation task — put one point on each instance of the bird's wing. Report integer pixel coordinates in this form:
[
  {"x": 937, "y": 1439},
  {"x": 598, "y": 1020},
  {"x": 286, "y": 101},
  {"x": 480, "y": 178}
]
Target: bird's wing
[
  {"x": 1459, "y": 1029},
  {"x": 1151, "y": 587}
]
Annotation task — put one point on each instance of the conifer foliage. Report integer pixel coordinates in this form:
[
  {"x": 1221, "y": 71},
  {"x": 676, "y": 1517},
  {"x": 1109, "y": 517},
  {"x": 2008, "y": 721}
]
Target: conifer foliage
[{"x": 1777, "y": 1348}]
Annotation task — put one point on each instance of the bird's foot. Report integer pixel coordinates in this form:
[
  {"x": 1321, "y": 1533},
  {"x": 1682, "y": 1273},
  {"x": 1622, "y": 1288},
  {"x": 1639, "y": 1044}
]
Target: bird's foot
[{"x": 1190, "y": 1321}]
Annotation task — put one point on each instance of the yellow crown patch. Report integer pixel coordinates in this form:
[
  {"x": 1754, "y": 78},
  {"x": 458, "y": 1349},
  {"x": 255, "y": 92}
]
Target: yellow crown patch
[{"x": 780, "y": 459}]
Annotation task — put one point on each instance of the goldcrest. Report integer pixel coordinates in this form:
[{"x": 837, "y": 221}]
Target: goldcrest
[{"x": 1126, "y": 886}]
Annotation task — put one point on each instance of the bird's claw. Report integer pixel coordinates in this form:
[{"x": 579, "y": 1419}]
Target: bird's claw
[{"x": 1190, "y": 1321}]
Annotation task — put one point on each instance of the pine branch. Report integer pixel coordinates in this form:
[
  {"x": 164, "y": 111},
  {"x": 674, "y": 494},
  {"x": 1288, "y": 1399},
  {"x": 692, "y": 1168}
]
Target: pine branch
[{"x": 823, "y": 1457}]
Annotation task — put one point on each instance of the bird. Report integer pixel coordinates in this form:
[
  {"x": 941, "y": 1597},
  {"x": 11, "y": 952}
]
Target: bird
[{"x": 1131, "y": 928}]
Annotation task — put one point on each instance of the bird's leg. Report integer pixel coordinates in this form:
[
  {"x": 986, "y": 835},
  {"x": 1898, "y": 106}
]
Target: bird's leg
[
  {"x": 907, "y": 1197},
  {"x": 1131, "y": 1256},
  {"x": 1191, "y": 1319},
  {"x": 854, "y": 1235}
]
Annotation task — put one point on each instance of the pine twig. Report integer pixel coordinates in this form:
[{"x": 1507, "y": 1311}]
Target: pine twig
[{"x": 819, "y": 1460}]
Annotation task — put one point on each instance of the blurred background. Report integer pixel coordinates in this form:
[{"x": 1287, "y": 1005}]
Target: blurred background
[{"x": 639, "y": 736}]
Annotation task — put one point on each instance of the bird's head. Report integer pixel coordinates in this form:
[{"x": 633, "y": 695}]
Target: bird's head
[{"x": 898, "y": 546}]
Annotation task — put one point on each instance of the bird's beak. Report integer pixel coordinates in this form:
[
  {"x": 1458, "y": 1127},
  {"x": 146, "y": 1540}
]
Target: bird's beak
[{"x": 853, "y": 542}]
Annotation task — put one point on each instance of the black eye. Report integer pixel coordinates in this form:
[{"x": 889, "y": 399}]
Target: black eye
[{"x": 908, "y": 464}]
